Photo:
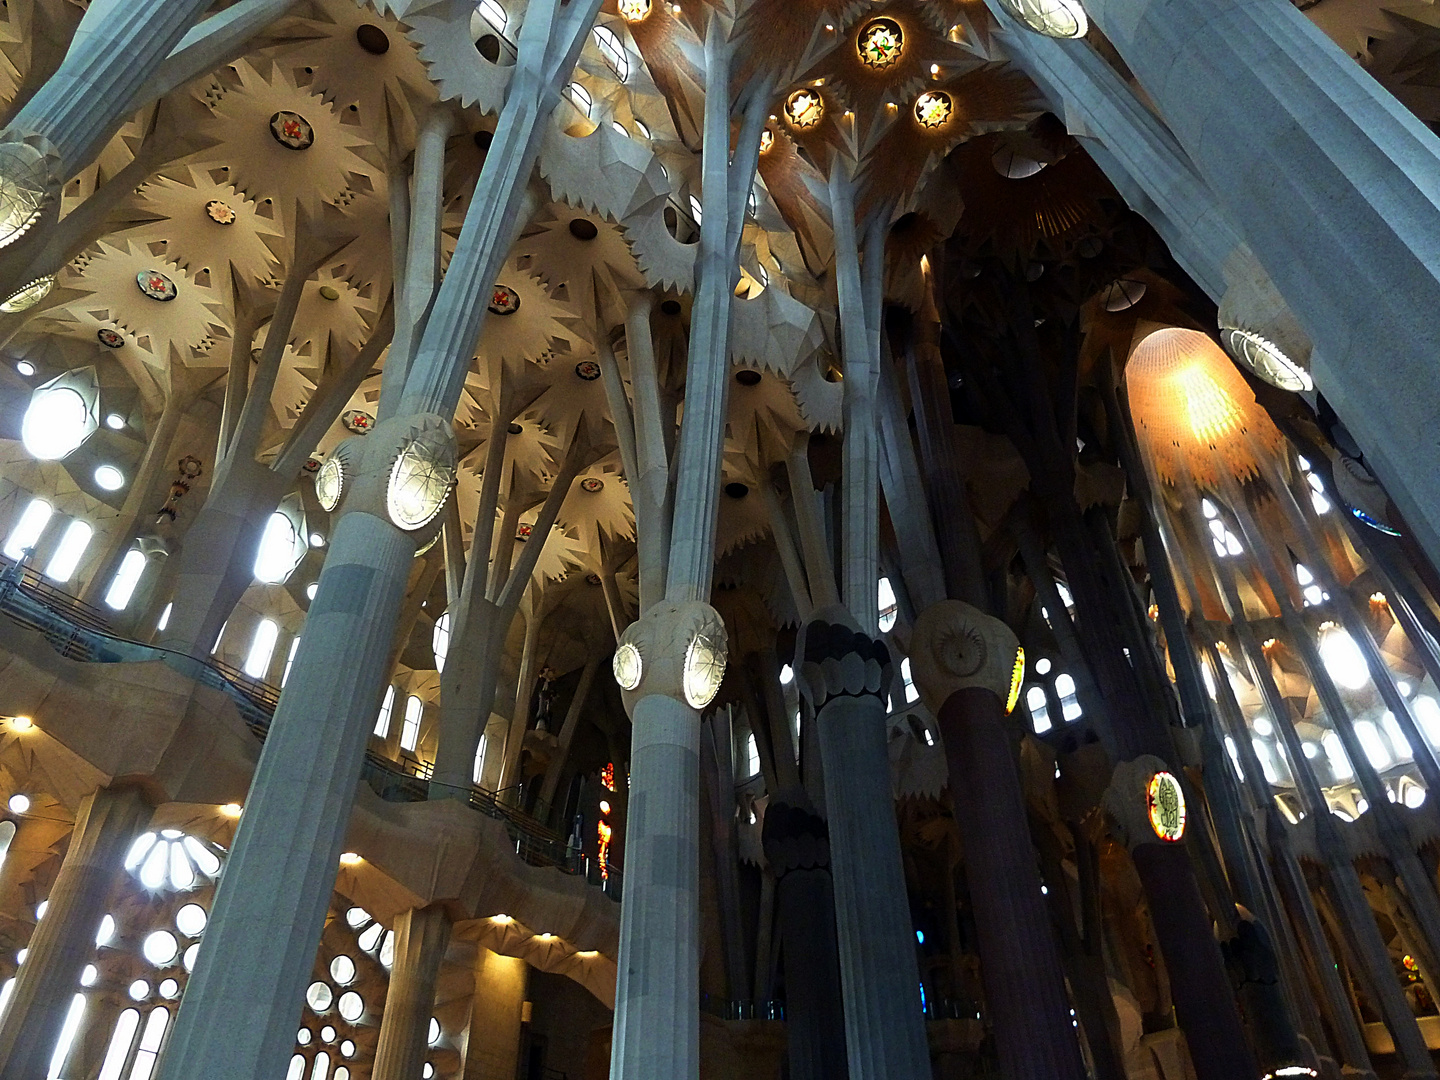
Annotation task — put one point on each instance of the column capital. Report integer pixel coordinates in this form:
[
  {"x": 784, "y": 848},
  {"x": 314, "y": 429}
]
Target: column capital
[
  {"x": 401, "y": 472},
  {"x": 676, "y": 650},
  {"x": 956, "y": 646},
  {"x": 30, "y": 180},
  {"x": 794, "y": 835},
  {"x": 834, "y": 658},
  {"x": 1146, "y": 803}
]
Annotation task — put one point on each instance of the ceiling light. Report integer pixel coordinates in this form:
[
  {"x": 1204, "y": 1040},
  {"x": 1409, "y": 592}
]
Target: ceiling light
[
  {"x": 350, "y": 858},
  {"x": 114, "y": 421},
  {"x": 21, "y": 723},
  {"x": 19, "y": 804},
  {"x": 24, "y": 367},
  {"x": 231, "y": 809}
]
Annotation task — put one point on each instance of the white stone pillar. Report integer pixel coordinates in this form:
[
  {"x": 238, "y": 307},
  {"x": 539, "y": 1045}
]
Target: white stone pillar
[{"x": 421, "y": 937}]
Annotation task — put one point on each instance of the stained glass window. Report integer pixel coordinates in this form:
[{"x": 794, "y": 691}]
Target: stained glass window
[{"x": 880, "y": 43}]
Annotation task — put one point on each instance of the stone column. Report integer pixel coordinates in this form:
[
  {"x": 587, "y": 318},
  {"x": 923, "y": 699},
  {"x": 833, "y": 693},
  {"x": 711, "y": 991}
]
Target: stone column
[
  {"x": 845, "y": 676},
  {"x": 1335, "y": 185},
  {"x": 669, "y": 666},
  {"x": 421, "y": 937},
  {"x": 270, "y": 907},
  {"x": 64, "y": 939},
  {"x": 492, "y": 1044},
  {"x": 964, "y": 664},
  {"x": 1204, "y": 1001},
  {"x": 797, "y": 847},
  {"x": 115, "y": 48}
]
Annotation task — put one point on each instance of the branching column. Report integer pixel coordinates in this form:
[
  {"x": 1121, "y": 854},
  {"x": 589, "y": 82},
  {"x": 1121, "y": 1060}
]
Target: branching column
[
  {"x": 670, "y": 663},
  {"x": 270, "y": 907}
]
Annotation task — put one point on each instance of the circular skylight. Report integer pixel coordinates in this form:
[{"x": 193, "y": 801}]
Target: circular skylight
[
  {"x": 319, "y": 996},
  {"x": 352, "y": 1006},
  {"x": 114, "y": 421},
  {"x": 160, "y": 948},
  {"x": 190, "y": 920},
  {"x": 342, "y": 969},
  {"x": 56, "y": 422},
  {"x": 109, "y": 478}
]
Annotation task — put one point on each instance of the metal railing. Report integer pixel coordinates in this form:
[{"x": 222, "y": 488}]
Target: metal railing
[{"x": 79, "y": 632}]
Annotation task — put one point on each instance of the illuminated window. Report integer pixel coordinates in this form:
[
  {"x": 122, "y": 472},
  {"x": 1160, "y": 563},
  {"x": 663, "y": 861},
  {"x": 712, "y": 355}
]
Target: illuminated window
[
  {"x": 290, "y": 661},
  {"x": 1372, "y": 744},
  {"x": 479, "y": 769},
  {"x": 155, "y": 1025},
  {"x": 1069, "y": 702},
  {"x": 262, "y": 648},
  {"x": 280, "y": 550},
  {"x": 440, "y": 640},
  {"x": 880, "y": 43},
  {"x": 1234, "y": 752},
  {"x": 121, "y": 1040},
  {"x": 28, "y": 529},
  {"x": 55, "y": 424},
  {"x": 889, "y": 608},
  {"x": 581, "y": 97},
  {"x": 1039, "y": 709},
  {"x": 410, "y": 730},
  {"x": 1343, "y": 659},
  {"x": 613, "y": 51},
  {"x": 69, "y": 552},
  {"x": 911, "y": 694},
  {"x": 382, "y": 722},
  {"x": 73, "y": 1017},
  {"x": 1335, "y": 753},
  {"x": 494, "y": 14},
  {"x": 1052, "y": 18},
  {"x": 1267, "y": 761},
  {"x": 695, "y": 209},
  {"x": 752, "y": 755},
  {"x": 122, "y": 586},
  {"x": 804, "y": 108}
]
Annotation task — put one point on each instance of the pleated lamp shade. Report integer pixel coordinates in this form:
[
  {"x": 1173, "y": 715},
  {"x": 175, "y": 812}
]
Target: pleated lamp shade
[{"x": 1193, "y": 411}]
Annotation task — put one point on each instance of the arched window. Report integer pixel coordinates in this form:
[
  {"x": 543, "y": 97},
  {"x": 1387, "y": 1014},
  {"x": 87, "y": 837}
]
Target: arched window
[
  {"x": 581, "y": 97},
  {"x": 28, "y": 529},
  {"x": 410, "y": 732},
  {"x": 889, "y": 608},
  {"x": 1069, "y": 703},
  {"x": 695, "y": 209},
  {"x": 751, "y": 766},
  {"x": 1039, "y": 710},
  {"x": 121, "y": 1040},
  {"x": 150, "y": 1041},
  {"x": 73, "y": 543},
  {"x": 613, "y": 51},
  {"x": 382, "y": 722},
  {"x": 262, "y": 648},
  {"x": 73, "y": 1016},
  {"x": 122, "y": 586}
]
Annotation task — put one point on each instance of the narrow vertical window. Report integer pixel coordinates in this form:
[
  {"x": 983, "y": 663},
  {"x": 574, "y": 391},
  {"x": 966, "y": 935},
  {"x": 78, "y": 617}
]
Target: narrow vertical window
[
  {"x": 73, "y": 543},
  {"x": 911, "y": 694},
  {"x": 122, "y": 587},
  {"x": 382, "y": 722},
  {"x": 120, "y": 1042},
  {"x": 67, "y": 1036},
  {"x": 262, "y": 648},
  {"x": 154, "y": 1035},
  {"x": 165, "y": 616},
  {"x": 752, "y": 755},
  {"x": 290, "y": 660},
  {"x": 410, "y": 732},
  {"x": 479, "y": 769},
  {"x": 1039, "y": 710},
  {"x": 889, "y": 608},
  {"x": 28, "y": 529}
]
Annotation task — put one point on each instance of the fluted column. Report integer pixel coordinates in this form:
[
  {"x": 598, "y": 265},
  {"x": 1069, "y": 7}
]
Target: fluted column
[
  {"x": 64, "y": 939},
  {"x": 421, "y": 938},
  {"x": 845, "y": 677},
  {"x": 1335, "y": 185},
  {"x": 270, "y": 907},
  {"x": 963, "y": 661},
  {"x": 669, "y": 665},
  {"x": 797, "y": 847}
]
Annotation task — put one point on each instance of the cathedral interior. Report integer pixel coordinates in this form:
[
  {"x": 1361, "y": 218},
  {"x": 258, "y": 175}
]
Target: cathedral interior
[{"x": 719, "y": 539}]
